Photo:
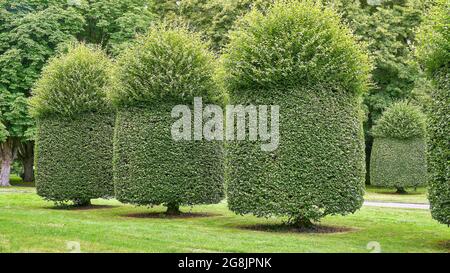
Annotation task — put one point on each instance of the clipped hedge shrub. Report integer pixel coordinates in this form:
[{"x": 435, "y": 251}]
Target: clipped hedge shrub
[
  {"x": 300, "y": 57},
  {"x": 167, "y": 67},
  {"x": 434, "y": 53},
  {"x": 75, "y": 127},
  {"x": 399, "y": 150}
]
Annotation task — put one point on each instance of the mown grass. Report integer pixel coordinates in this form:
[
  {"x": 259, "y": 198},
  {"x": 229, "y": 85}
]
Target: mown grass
[
  {"x": 29, "y": 224},
  {"x": 417, "y": 196}
]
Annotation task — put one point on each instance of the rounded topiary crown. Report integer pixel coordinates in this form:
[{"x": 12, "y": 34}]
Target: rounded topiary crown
[
  {"x": 294, "y": 44},
  {"x": 73, "y": 83},
  {"x": 434, "y": 39},
  {"x": 401, "y": 121},
  {"x": 167, "y": 64}
]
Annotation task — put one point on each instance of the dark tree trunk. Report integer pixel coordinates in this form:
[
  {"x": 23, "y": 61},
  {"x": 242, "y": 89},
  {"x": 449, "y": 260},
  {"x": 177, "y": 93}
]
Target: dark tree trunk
[
  {"x": 401, "y": 190},
  {"x": 369, "y": 144},
  {"x": 173, "y": 209},
  {"x": 302, "y": 222},
  {"x": 82, "y": 202},
  {"x": 27, "y": 158},
  {"x": 7, "y": 155}
]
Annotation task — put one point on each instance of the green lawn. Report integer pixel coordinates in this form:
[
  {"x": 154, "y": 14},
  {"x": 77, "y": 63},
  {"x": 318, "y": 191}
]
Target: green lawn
[
  {"x": 29, "y": 224},
  {"x": 418, "y": 196}
]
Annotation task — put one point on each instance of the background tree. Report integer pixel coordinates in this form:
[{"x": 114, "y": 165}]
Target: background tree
[
  {"x": 112, "y": 24},
  {"x": 30, "y": 33},
  {"x": 14, "y": 125},
  {"x": 433, "y": 53},
  {"x": 399, "y": 150}
]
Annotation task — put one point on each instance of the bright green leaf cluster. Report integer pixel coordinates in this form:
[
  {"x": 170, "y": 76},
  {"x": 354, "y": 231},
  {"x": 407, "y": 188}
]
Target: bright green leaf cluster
[
  {"x": 3, "y": 132},
  {"x": 14, "y": 117},
  {"x": 434, "y": 39},
  {"x": 167, "y": 64},
  {"x": 401, "y": 121},
  {"x": 296, "y": 43},
  {"x": 73, "y": 83}
]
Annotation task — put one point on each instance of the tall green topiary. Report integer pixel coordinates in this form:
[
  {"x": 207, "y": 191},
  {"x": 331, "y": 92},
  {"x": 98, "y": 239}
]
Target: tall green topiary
[
  {"x": 75, "y": 126},
  {"x": 167, "y": 67},
  {"x": 300, "y": 57},
  {"x": 434, "y": 54},
  {"x": 399, "y": 150}
]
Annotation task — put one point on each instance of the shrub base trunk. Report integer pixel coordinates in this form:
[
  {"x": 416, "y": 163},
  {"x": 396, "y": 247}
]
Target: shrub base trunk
[
  {"x": 401, "y": 190},
  {"x": 303, "y": 223},
  {"x": 173, "y": 209},
  {"x": 82, "y": 202}
]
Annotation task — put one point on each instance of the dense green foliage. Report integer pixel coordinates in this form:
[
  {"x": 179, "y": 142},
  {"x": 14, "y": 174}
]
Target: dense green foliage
[
  {"x": 401, "y": 121},
  {"x": 389, "y": 31},
  {"x": 14, "y": 115},
  {"x": 433, "y": 52},
  {"x": 323, "y": 51},
  {"x": 215, "y": 18},
  {"x": 164, "y": 68},
  {"x": 399, "y": 150},
  {"x": 114, "y": 24},
  {"x": 434, "y": 39},
  {"x": 399, "y": 163},
  {"x": 74, "y": 157},
  {"x": 165, "y": 65},
  {"x": 150, "y": 168},
  {"x": 75, "y": 127},
  {"x": 73, "y": 83},
  {"x": 318, "y": 167},
  {"x": 28, "y": 38}
]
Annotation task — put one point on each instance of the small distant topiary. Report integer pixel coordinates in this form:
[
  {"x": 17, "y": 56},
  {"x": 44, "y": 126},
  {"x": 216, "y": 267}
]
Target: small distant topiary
[
  {"x": 75, "y": 127},
  {"x": 300, "y": 57},
  {"x": 399, "y": 151},
  {"x": 434, "y": 54},
  {"x": 167, "y": 67}
]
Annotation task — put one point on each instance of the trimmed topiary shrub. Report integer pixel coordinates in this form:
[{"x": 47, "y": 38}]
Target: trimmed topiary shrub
[
  {"x": 167, "y": 67},
  {"x": 300, "y": 57},
  {"x": 75, "y": 127},
  {"x": 434, "y": 54},
  {"x": 399, "y": 151}
]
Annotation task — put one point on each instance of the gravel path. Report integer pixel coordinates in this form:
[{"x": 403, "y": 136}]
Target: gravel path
[{"x": 396, "y": 205}]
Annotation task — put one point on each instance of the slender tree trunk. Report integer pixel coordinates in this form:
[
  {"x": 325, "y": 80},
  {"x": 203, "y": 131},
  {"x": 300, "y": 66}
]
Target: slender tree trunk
[
  {"x": 369, "y": 144},
  {"x": 28, "y": 162},
  {"x": 173, "y": 209},
  {"x": 7, "y": 158}
]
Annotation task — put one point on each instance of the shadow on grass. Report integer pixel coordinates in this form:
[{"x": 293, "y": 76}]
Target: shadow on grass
[
  {"x": 445, "y": 245},
  {"x": 409, "y": 193},
  {"x": 286, "y": 228},
  {"x": 162, "y": 215},
  {"x": 78, "y": 208}
]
